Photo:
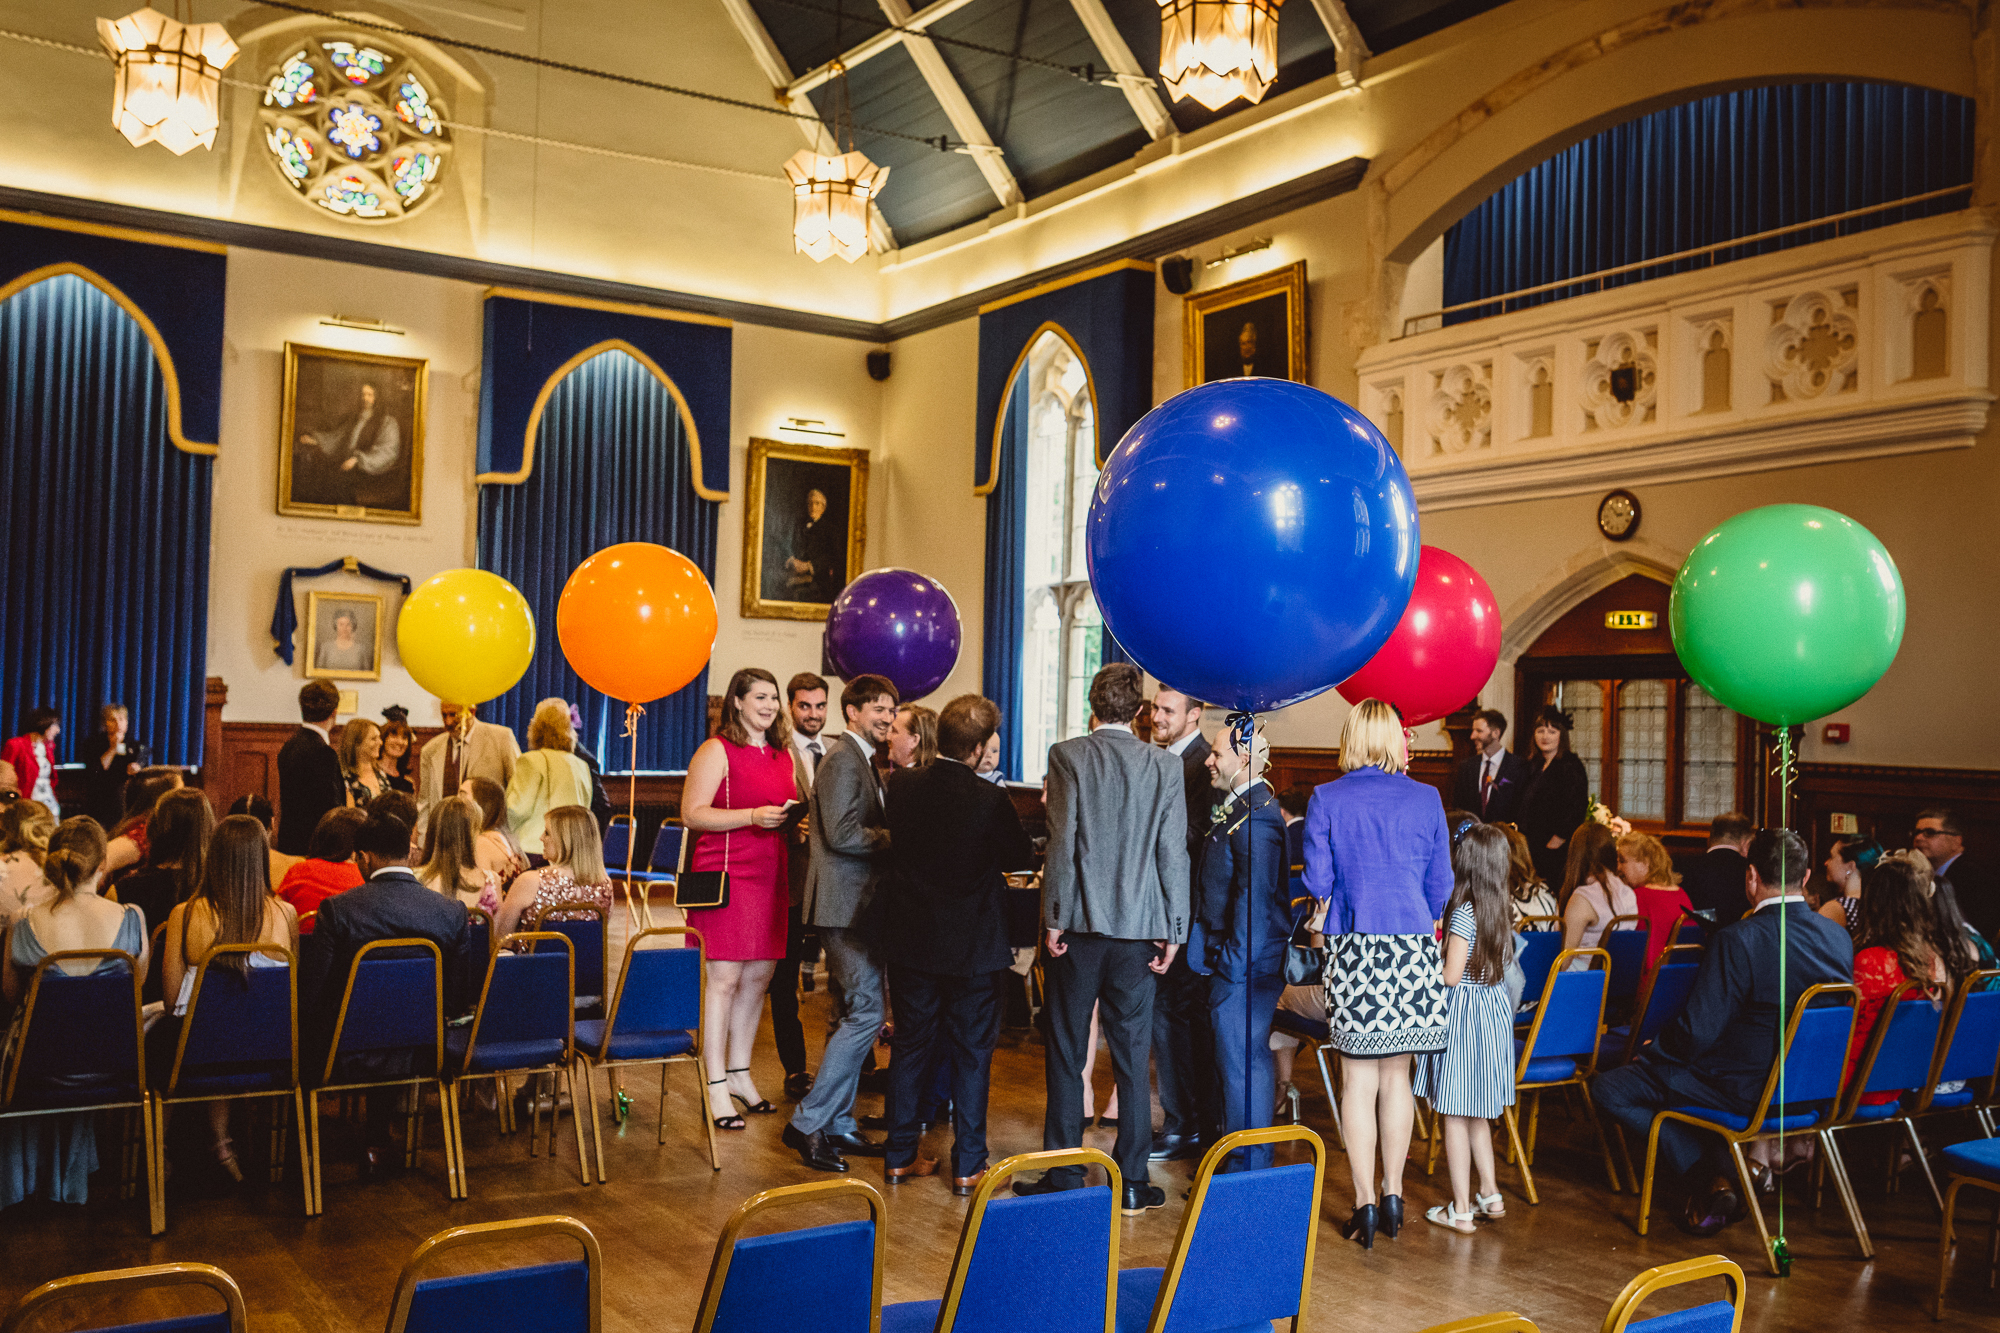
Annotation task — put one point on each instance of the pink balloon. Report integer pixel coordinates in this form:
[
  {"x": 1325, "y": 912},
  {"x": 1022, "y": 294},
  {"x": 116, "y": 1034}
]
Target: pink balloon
[{"x": 1444, "y": 648}]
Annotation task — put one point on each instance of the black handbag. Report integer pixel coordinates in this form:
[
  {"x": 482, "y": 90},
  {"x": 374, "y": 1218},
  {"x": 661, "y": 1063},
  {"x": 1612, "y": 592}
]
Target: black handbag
[
  {"x": 702, "y": 890},
  {"x": 1305, "y": 962}
]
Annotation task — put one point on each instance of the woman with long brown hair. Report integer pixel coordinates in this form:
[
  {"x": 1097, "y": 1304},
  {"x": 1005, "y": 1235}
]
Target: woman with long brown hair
[
  {"x": 451, "y": 846},
  {"x": 54, "y": 1155},
  {"x": 176, "y": 855},
  {"x": 234, "y": 905},
  {"x": 1592, "y": 893},
  {"x": 494, "y": 844},
  {"x": 1528, "y": 893}
]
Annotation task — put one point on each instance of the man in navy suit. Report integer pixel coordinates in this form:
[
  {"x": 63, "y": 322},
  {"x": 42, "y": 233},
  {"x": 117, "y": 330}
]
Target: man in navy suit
[
  {"x": 1243, "y": 907},
  {"x": 1718, "y": 1053},
  {"x": 1714, "y": 880},
  {"x": 1489, "y": 783}
]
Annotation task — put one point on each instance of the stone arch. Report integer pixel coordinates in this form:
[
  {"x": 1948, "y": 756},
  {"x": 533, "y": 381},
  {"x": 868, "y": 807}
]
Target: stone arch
[{"x": 1583, "y": 575}]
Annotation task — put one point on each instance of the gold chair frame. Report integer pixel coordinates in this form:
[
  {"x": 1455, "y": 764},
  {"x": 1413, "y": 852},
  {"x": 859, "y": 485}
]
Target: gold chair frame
[
  {"x": 690, "y": 1056},
  {"x": 995, "y": 1179},
  {"x": 1674, "y": 1275},
  {"x": 112, "y": 1281}
]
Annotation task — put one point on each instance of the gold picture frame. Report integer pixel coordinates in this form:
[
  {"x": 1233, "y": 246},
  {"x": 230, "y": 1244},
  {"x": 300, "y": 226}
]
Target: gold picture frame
[
  {"x": 788, "y": 552},
  {"x": 355, "y": 655},
  {"x": 351, "y": 436},
  {"x": 1270, "y": 310}
]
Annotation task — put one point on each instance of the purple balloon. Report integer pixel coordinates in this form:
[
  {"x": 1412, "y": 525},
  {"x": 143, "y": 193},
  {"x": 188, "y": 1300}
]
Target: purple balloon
[{"x": 895, "y": 623}]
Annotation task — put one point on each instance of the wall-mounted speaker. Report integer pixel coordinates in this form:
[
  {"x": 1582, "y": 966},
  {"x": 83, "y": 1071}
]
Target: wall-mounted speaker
[
  {"x": 1178, "y": 274},
  {"x": 878, "y": 365}
]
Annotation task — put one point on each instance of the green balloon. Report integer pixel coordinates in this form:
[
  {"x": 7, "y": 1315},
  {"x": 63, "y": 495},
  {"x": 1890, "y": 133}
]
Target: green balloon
[{"x": 1787, "y": 613}]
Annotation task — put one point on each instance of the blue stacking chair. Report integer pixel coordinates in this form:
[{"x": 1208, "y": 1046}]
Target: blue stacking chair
[
  {"x": 1811, "y": 1065},
  {"x": 1662, "y": 996},
  {"x": 654, "y": 1019},
  {"x": 1968, "y": 1051},
  {"x": 239, "y": 1038},
  {"x": 1560, "y": 1050},
  {"x": 1723, "y": 1316},
  {"x": 564, "y": 1297},
  {"x": 1976, "y": 1164},
  {"x": 1320, "y": 1033},
  {"x": 82, "y": 1047},
  {"x": 830, "y": 1276},
  {"x": 617, "y": 845},
  {"x": 1627, "y": 942},
  {"x": 525, "y": 1024},
  {"x": 480, "y": 926},
  {"x": 231, "y": 1318},
  {"x": 394, "y": 1001},
  {"x": 1068, "y": 1240},
  {"x": 588, "y": 929},
  {"x": 1897, "y": 1058},
  {"x": 1244, "y": 1255},
  {"x": 1536, "y": 954}
]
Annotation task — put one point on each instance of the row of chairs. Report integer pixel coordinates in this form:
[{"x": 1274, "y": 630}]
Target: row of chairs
[
  {"x": 82, "y": 1046},
  {"x": 1241, "y": 1260}
]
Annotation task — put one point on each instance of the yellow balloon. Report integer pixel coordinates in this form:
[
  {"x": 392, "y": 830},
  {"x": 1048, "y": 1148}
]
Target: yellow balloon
[{"x": 466, "y": 635}]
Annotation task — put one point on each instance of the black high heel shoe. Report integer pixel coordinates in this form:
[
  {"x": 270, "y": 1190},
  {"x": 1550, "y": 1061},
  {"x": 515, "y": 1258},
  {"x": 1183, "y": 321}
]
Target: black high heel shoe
[
  {"x": 763, "y": 1107},
  {"x": 1361, "y": 1226},
  {"x": 1392, "y": 1215}
]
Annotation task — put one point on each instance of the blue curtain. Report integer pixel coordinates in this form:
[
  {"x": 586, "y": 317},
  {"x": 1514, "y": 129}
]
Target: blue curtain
[
  {"x": 105, "y": 526},
  {"x": 1006, "y": 590},
  {"x": 1706, "y": 172},
  {"x": 612, "y": 464}
]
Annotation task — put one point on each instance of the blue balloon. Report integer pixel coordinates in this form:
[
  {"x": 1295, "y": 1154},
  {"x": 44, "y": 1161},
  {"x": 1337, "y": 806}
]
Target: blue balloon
[
  {"x": 895, "y": 623},
  {"x": 1253, "y": 542}
]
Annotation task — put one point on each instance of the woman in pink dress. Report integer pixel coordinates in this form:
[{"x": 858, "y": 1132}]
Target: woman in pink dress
[{"x": 738, "y": 785}]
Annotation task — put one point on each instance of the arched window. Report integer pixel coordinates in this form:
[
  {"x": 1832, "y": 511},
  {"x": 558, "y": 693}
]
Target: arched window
[{"x": 1062, "y": 644}]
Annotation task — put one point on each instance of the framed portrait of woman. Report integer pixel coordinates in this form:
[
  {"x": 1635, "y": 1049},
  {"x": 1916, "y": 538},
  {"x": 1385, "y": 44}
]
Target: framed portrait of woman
[
  {"x": 804, "y": 528},
  {"x": 351, "y": 436},
  {"x": 1254, "y": 327},
  {"x": 343, "y": 636}
]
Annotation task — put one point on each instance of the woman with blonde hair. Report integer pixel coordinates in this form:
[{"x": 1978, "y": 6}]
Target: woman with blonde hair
[
  {"x": 1528, "y": 894},
  {"x": 1378, "y": 858},
  {"x": 1592, "y": 893},
  {"x": 573, "y": 876},
  {"x": 1644, "y": 864},
  {"x": 549, "y": 775},
  {"x": 25, "y": 827},
  {"x": 234, "y": 905},
  {"x": 54, "y": 1155},
  {"x": 451, "y": 840}
]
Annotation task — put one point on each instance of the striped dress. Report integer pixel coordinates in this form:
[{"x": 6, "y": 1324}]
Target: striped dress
[{"x": 1474, "y": 1074}]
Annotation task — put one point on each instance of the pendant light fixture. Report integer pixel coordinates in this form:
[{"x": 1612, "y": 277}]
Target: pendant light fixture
[
  {"x": 1215, "y": 51},
  {"x": 168, "y": 72},
  {"x": 831, "y": 192}
]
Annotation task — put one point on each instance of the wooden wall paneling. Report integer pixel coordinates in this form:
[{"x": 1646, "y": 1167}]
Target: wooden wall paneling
[{"x": 1886, "y": 801}]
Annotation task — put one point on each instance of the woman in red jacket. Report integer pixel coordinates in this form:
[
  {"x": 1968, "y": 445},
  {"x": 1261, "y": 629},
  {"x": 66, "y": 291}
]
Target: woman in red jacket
[{"x": 33, "y": 755}]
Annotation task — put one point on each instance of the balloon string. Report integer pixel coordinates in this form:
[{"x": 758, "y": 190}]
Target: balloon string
[
  {"x": 1785, "y": 770},
  {"x": 633, "y": 712}
]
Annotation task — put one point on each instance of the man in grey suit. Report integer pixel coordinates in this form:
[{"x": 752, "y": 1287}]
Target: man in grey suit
[
  {"x": 1115, "y": 912},
  {"x": 1183, "y": 1039},
  {"x": 848, "y": 834}
]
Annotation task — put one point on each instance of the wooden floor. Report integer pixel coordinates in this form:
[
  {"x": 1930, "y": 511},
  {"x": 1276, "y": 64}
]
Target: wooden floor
[{"x": 657, "y": 1219}]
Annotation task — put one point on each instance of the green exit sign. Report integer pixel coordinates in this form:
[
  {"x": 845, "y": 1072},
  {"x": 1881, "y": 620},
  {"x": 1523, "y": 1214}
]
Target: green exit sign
[{"x": 1631, "y": 619}]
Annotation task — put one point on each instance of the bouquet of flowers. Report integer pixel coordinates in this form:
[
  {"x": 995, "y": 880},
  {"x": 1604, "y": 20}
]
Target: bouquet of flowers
[{"x": 1600, "y": 813}]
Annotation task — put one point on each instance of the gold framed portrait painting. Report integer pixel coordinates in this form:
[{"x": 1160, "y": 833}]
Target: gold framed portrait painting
[
  {"x": 804, "y": 528},
  {"x": 351, "y": 436},
  {"x": 343, "y": 636},
  {"x": 1253, "y": 327}
]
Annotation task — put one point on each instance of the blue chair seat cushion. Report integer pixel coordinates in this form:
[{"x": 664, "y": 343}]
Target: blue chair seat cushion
[
  {"x": 229, "y": 1080},
  {"x": 1138, "y": 1288},
  {"x": 910, "y": 1316},
  {"x": 630, "y": 1045},
  {"x": 1715, "y": 1317},
  {"x": 1299, "y": 1025},
  {"x": 1864, "y": 1115},
  {"x": 1800, "y": 1119},
  {"x": 1979, "y": 1159},
  {"x": 1612, "y": 1044},
  {"x": 1947, "y": 1101},
  {"x": 1549, "y": 1069},
  {"x": 497, "y": 1056}
]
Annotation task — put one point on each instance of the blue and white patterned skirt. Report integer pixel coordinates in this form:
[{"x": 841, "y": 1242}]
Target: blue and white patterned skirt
[
  {"x": 1385, "y": 995},
  {"x": 1474, "y": 1074}
]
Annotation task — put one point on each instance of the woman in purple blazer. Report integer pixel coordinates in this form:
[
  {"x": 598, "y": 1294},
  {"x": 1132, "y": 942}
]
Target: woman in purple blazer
[{"x": 1378, "y": 858}]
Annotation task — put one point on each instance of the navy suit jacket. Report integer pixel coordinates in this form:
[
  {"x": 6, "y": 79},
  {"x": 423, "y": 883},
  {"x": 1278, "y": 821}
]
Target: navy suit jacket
[
  {"x": 953, "y": 837},
  {"x": 1727, "y": 1036},
  {"x": 390, "y": 906},
  {"x": 1505, "y": 798},
  {"x": 309, "y": 785},
  {"x": 1244, "y": 903},
  {"x": 1715, "y": 881}
]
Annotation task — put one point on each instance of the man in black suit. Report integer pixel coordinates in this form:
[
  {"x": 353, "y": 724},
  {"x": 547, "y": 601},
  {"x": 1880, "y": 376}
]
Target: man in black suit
[
  {"x": 1489, "y": 783},
  {"x": 1183, "y": 1043},
  {"x": 1243, "y": 908},
  {"x": 955, "y": 837},
  {"x": 309, "y": 781},
  {"x": 389, "y": 904},
  {"x": 1714, "y": 883},
  {"x": 1969, "y": 879},
  {"x": 1718, "y": 1053}
]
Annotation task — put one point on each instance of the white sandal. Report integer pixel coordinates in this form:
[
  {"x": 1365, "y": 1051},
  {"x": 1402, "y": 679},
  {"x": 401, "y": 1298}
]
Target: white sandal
[
  {"x": 1447, "y": 1215},
  {"x": 1489, "y": 1206}
]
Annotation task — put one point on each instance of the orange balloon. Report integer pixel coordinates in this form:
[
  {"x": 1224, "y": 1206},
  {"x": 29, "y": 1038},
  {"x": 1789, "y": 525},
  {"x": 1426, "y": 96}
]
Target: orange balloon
[{"x": 637, "y": 621}]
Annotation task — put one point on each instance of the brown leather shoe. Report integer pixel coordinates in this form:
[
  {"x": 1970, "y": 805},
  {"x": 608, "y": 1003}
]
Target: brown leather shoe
[
  {"x": 963, "y": 1186},
  {"x": 923, "y": 1166}
]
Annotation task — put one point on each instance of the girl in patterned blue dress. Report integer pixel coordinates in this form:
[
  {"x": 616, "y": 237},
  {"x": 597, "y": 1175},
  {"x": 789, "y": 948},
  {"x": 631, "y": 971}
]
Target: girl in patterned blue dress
[{"x": 1472, "y": 1080}]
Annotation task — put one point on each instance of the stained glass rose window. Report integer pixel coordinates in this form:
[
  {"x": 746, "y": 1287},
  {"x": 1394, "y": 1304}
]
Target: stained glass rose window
[{"x": 356, "y": 128}]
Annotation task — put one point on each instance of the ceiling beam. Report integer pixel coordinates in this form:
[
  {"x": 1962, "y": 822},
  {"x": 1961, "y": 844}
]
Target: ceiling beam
[
  {"x": 958, "y": 109},
  {"x": 1133, "y": 81},
  {"x": 771, "y": 61},
  {"x": 1350, "y": 48},
  {"x": 872, "y": 47}
]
